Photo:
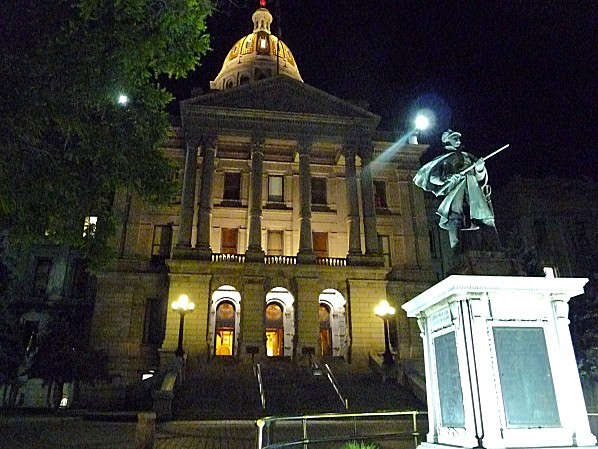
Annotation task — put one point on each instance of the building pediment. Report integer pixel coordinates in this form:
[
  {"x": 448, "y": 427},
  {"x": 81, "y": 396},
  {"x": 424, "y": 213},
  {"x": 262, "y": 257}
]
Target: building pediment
[{"x": 280, "y": 97}]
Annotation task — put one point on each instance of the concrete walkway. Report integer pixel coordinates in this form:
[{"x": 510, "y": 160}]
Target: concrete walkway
[{"x": 73, "y": 432}]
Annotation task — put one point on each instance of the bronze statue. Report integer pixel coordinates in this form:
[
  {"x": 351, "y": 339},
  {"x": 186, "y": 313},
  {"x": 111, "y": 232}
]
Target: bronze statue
[{"x": 462, "y": 179}]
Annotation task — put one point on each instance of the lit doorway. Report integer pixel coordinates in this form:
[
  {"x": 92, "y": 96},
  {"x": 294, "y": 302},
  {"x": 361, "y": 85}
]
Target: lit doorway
[
  {"x": 279, "y": 323},
  {"x": 225, "y": 329},
  {"x": 333, "y": 325},
  {"x": 225, "y": 321},
  {"x": 274, "y": 330},
  {"x": 325, "y": 332}
]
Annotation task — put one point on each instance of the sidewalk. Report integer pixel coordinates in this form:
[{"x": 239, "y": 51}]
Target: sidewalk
[{"x": 39, "y": 432}]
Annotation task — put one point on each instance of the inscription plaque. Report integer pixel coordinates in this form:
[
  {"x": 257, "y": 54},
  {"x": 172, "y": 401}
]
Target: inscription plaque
[
  {"x": 449, "y": 381},
  {"x": 525, "y": 377}
]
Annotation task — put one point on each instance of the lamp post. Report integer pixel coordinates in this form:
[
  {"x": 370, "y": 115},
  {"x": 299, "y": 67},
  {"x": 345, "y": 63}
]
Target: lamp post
[
  {"x": 183, "y": 306},
  {"x": 385, "y": 311}
]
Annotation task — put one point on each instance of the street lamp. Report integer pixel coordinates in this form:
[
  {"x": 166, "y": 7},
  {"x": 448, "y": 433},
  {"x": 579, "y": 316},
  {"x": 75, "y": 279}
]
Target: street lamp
[
  {"x": 385, "y": 311},
  {"x": 422, "y": 122},
  {"x": 183, "y": 306}
]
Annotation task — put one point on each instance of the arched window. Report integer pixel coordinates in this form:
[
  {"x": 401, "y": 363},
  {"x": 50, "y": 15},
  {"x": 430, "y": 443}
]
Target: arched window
[
  {"x": 225, "y": 329},
  {"x": 244, "y": 79},
  {"x": 274, "y": 330}
]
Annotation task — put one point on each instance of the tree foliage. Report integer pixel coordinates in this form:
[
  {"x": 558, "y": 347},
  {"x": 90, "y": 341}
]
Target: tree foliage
[{"x": 67, "y": 144}]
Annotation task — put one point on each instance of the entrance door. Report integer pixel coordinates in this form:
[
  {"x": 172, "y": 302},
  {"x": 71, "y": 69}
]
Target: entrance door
[
  {"x": 325, "y": 331},
  {"x": 224, "y": 341},
  {"x": 225, "y": 329},
  {"x": 274, "y": 330}
]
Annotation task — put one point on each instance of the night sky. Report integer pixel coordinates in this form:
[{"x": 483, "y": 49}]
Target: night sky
[{"x": 518, "y": 72}]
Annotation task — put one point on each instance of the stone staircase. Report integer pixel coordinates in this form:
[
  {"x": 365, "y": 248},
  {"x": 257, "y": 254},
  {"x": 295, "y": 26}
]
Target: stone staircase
[{"x": 226, "y": 389}]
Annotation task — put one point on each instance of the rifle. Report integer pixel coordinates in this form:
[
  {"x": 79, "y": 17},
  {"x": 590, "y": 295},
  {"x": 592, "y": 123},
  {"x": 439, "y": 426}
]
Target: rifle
[{"x": 462, "y": 172}]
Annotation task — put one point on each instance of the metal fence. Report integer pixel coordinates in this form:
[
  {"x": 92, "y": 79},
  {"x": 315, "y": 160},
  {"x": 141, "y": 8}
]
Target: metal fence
[{"x": 332, "y": 431}]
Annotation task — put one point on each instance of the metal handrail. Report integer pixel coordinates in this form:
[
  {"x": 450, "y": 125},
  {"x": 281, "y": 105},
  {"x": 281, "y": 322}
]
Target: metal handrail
[
  {"x": 264, "y": 425},
  {"x": 258, "y": 374},
  {"x": 334, "y": 383}
]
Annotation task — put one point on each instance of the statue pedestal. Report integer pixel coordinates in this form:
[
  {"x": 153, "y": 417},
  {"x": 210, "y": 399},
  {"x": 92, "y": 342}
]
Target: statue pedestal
[{"x": 500, "y": 367}]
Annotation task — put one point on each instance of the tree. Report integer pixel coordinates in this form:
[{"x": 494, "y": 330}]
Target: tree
[{"x": 67, "y": 142}]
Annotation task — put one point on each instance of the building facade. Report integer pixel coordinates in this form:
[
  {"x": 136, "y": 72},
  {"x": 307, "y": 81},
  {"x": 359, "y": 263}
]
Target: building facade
[{"x": 296, "y": 217}]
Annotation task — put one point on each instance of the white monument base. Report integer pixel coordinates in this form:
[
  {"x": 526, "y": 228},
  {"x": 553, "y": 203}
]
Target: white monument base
[{"x": 500, "y": 367}]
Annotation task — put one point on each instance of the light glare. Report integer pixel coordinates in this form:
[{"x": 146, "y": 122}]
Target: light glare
[
  {"x": 123, "y": 99},
  {"x": 422, "y": 122}
]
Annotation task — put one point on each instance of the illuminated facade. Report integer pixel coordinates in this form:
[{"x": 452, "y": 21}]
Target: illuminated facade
[{"x": 289, "y": 228}]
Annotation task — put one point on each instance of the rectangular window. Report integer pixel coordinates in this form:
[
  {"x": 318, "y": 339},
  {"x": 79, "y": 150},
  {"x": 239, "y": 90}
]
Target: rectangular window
[
  {"x": 275, "y": 240},
  {"x": 318, "y": 191},
  {"x": 42, "y": 274},
  {"x": 155, "y": 321},
  {"x": 384, "y": 249},
  {"x": 320, "y": 241},
  {"x": 162, "y": 241},
  {"x": 380, "y": 194},
  {"x": 232, "y": 187},
  {"x": 229, "y": 241},
  {"x": 275, "y": 189}
]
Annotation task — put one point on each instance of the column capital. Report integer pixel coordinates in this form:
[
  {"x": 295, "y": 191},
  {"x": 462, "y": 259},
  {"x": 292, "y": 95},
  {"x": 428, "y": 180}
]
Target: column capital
[
  {"x": 366, "y": 150},
  {"x": 209, "y": 140},
  {"x": 304, "y": 144},
  {"x": 257, "y": 144},
  {"x": 192, "y": 138}
]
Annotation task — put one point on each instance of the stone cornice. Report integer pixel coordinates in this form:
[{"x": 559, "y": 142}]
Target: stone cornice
[{"x": 471, "y": 285}]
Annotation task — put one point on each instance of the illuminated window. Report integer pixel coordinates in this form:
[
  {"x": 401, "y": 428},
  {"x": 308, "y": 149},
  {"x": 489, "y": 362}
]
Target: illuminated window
[
  {"x": 275, "y": 189},
  {"x": 229, "y": 241},
  {"x": 89, "y": 226},
  {"x": 380, "y": 194},
  {"x": 318, "y": 191},
  {"x": 162, "y": 241},
  {"x": 275, "y": 239},
  {"x": 550, "y": 272},
  {"x": 320, "y": 240}
]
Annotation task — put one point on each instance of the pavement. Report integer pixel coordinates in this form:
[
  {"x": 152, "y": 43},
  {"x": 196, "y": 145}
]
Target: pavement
[{"x": 44, "y": 432}]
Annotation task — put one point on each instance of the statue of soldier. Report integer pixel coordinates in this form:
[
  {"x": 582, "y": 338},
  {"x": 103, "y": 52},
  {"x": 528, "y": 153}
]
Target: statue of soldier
[{"x": 462, "y": 179}]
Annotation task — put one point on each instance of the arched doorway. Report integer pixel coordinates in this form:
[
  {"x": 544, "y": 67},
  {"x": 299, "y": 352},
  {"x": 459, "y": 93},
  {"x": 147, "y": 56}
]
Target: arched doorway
[
  {"x": 279, "y": 322},
  {"x": 333, "y": 324},
  {"x": 224, "y": 329},
  {"x": 225, "y": 316},
  {"x": 325, "y": 330},
  {"x": 274, "y": 324}
]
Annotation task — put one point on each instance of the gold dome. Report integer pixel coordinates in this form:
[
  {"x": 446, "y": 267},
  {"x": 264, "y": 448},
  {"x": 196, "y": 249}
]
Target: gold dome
[{"x": 257, "y": 56}]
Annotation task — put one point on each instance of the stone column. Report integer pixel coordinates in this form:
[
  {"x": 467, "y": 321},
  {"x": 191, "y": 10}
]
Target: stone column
[
  {"x": 254, "y": 252},
  {"x": 188, "y": 196},
  {"x": 367, "y": 197},
  {"x": 204, "y": 219},
  {"x": 306, "y": 251},
  {"x": 353, "y": 223}
]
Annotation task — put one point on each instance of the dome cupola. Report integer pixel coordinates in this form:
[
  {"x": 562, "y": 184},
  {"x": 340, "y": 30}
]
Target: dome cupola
[{"x": 256, "y": 56}]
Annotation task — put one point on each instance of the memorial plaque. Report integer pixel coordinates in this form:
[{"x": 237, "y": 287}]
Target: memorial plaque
[
  {"x": 525, "y": 377},
  {"x": 449, "y": 381}
]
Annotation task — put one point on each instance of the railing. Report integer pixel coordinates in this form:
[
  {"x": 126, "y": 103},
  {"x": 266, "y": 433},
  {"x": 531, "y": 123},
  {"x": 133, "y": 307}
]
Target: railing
[
  {"x": 219, "y": 257},
  {"x": 258, "y": 375},
  {"x": 334, "y": 383},
  {"x": 284, "y": 432},
  {"x": 280, "y": 260},
  {"x": 331, "y": 261}
]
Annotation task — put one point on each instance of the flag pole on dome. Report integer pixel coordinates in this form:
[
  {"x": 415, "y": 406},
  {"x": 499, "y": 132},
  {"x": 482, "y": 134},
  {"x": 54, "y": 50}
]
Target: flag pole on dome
[{"x": 263, "y": 3}]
